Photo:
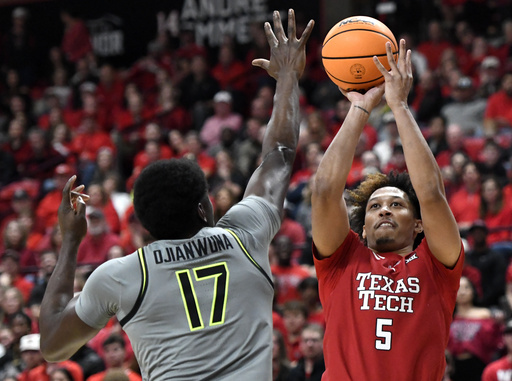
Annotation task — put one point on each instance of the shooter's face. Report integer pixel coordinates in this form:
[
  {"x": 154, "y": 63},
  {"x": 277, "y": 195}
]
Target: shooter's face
[{"x": 390, "y": 224}]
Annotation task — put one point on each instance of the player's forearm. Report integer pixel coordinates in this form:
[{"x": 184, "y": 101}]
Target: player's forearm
[
  {"x": 58, "y": 295},
  {"x": 283, "y": 127},
  {"x": 422, "y": 167},
  {"x": 334, "y": 168}
]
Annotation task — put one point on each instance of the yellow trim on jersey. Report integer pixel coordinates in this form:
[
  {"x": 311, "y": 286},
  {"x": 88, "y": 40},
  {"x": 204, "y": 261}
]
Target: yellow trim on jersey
[
  {"x": 144, "y": 272},
  {"x": 256, "y": 264},
  {"x": 143, "y": 287},
  {"x": 243, "y": 247}
]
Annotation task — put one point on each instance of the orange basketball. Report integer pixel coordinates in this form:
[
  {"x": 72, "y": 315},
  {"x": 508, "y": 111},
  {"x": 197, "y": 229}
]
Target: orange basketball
[{"x": 348, "y": 50}]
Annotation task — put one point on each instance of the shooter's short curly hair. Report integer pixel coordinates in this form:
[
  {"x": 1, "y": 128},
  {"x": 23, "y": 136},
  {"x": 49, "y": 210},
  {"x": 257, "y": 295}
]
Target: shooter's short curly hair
[
  {"x": 359, "y": 197},
  {"x": 166, "y": 196}
]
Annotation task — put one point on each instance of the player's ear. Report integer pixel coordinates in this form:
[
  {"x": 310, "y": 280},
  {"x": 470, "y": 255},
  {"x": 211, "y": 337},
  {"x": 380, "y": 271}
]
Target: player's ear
[
  {"x": 201, "y": 212},
  {"x": 418, "y": 227},
  {"x": 364, "y": 232}
]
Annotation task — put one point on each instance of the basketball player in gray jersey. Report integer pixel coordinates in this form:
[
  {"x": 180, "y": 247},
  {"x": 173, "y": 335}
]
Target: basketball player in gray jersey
[{"x": 196, "y": 303}]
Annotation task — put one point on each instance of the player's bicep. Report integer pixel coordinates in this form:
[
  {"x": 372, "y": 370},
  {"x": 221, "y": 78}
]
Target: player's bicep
[
  {"x": 330, "y": 224},
  {"x": 68, "y": 334},
  {"x": 441, "y": 231}
]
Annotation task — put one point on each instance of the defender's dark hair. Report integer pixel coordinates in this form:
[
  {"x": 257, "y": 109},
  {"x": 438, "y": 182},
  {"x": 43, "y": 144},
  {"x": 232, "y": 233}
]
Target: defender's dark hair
[
  {"x": 359, "y": 198},
  {"x": 166, "y": 195}
]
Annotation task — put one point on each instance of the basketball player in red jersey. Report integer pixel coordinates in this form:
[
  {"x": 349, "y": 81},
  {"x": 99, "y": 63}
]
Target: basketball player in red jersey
[{"x": 388, "y": 293}]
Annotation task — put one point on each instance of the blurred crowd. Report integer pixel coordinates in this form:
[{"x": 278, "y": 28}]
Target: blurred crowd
[{"x": 77, "y": 114}]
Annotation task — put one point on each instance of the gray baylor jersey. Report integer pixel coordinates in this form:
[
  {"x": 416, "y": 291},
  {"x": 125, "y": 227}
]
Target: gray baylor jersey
[{"x": 195, "y": 309}]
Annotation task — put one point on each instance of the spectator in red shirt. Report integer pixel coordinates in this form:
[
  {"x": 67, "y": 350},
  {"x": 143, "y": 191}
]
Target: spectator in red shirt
[
  {"x": 110, "y": 89},
  {"x": 465, "y": 203},
  {"x": 502, "y": 366},
  {"x": 144, "y": 72},
  {"x": 76, "y": 42},
  {"x": 151, "y": 153},
  {"x": 61, "y": 141},
  {"x": 21, "y": 202},
  {"x": 105, "y": 163},
  {"x": 11, "y": 275},
  {"x": 177, "y": 143},
  {"x": 316, "y": 130},
  {"x": 288, "y": 274},
  {"x": 492, "y": 161},
  {"x": 54, "y": 112},
  {"x": 312, "y": 153},
  {"x": 455, "y": 142},
  {"x": 293, "y": 230},
  {"x": 396, "y": 161},
  {"x": 61, "y": 89},
  {"x": 100, "y": 200},
  {"x": 435, "y": 132},
  {"x": 169, "y": 113},
  {"x": 17, "y": 144},
  {"x": 224, "y": 199},
  {"x": 113, "y": 186},
  {"x": 227, "y": 175},
  {"x": 42, "y": 158},
  {"x": 230, "y": 72},
  {"x": 498, "y": 114},
  {"x": 112, "y": 328},
  {"x": 15, "y": 239},
  {"x": 435, "y": 44},
  {"x": 86, "y": 144},
  {"x": 309, "y": 295},
  {"x": 47, "y": 208},
  {"x": 153, "y": 132},
  {"x": 196, "y": 151},
  {"x": 135, "y": 116},
  {"x": 133, "y": 234},
  {"x": 114, "y": 353},
  {"x": 295, "y": 317},
  {"x": 92, "y": 109},
  {"x": 188, "y": 46},
  {"x": 98, "y": 240},
  {"x": 496, "y": 213},
  {"x": 505, "y": 45}
]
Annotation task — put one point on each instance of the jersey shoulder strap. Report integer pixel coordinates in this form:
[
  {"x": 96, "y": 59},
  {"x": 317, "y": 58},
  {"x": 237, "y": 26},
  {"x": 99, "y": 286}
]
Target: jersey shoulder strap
[
  {"x": 249, "y": 256},
  {"x": 143, "y": 286}
]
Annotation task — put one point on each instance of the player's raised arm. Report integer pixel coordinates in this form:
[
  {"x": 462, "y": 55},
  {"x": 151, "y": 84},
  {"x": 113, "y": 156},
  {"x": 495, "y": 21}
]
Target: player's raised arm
[
  {"x": 286, "y": 64},
  {"x": 330, "y": 223},
  {"x": 439, "y": 224},
  {"x": 62, "y": 331}
]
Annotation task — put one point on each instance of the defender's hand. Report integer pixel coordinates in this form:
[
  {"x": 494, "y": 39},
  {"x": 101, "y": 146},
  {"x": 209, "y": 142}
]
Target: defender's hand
[
  {"x": 286, "y": 54},
  {"x": 72, "y": 221}
]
